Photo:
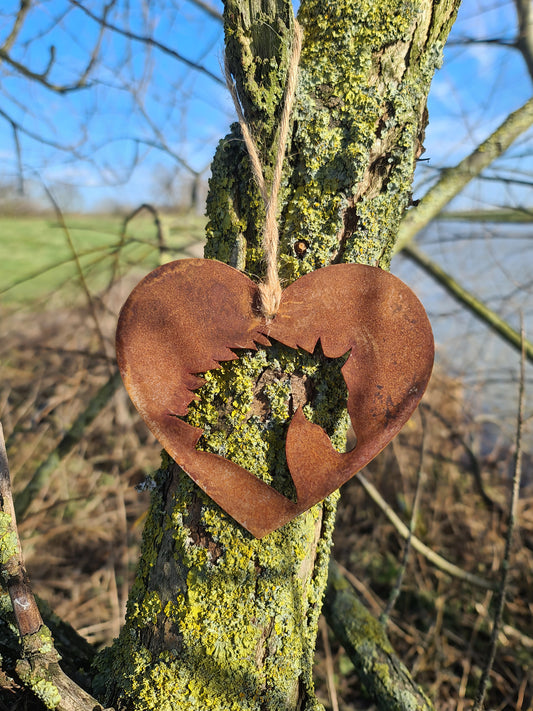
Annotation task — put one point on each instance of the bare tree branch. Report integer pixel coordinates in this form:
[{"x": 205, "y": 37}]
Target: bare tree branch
[
  {"x": 207, "y": 7},
  {"x": 14, "y": 575},
  {"x": 453, "y": 180},
  {"x": 42, "y": 77},
  {"x": 149, "y": 41},
  {"x": 36, "y": 137},
  {"x": 456, "y": 434},
  {"x": 74, "y": 434},
  {"x": 161, "y": 240},
  {"x": 524, "y": 41},
  {"x": 330, "y": 674},
  {"x": 475, "y": 305},
  {"x": 386, "y": 679},
  {"x": 498, "y": 41},
  {"x": 96, "y": 49},
  {"x": 25, "y": 6},
  {"x": 163, "y": 144},
  {"x": 513, "y": 514},
  {"x": 38, "y": 665},
  {"x": 383, "y": 618},
  {"x": 81, "y": 275},
  {"x": 430, "y": 555},
  {"x": 19, "y": 158}
]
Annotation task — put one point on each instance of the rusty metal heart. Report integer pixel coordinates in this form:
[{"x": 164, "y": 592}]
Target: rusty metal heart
[{"x": 188, "y": 316}]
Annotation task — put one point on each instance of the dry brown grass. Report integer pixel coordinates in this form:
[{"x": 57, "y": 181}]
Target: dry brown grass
[
  {"x": 441, "y": 625},
  {"x": 81, "y": 534}
]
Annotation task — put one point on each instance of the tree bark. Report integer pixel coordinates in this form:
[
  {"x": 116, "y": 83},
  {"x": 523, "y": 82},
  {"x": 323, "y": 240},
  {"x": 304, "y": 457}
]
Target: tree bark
[
  {"x": 217, "y": 619},
  {"x": 384, "y": 676},
  {"x": 453, "y": 180}
]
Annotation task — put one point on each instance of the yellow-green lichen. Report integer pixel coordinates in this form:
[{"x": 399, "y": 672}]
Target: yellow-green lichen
[
  {"x": 240, "y": 630},
  {"x": 149, "y": 609},
  {"x": 6, "y": 607},
  {"x": 364, "y": 75},
  {"x": 45, "y": 640},
  {"x": 246, "y": 406},
  {"x": 47, "y": 692},
  {"x": 40, "y": 644},
  {"x": 217, "y": 619},
  {"x": 364, "y": 639},
  {"x": 8, "y": 539},
  {"x": 39, "y": 648}
]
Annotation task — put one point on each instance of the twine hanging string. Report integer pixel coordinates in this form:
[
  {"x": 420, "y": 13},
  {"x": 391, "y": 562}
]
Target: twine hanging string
[{"x": 270, "y": 287}]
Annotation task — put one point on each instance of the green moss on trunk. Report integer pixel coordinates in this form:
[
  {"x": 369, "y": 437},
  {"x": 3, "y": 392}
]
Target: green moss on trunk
[
  {"x": 238, "y": 615},
  {"x": 217, "y": 619},
  {"x": 385, "y": 678}
]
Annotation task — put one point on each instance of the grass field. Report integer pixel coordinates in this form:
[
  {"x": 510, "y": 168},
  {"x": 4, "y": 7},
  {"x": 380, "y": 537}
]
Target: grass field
[{"x": 38, "y": 254}]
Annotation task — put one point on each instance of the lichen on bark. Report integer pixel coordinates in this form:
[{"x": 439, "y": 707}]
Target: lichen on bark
[
  {"x": 237, "y": 614},
  {"x": 384, "y": 676},
  {"x": 217, "y": 619}
]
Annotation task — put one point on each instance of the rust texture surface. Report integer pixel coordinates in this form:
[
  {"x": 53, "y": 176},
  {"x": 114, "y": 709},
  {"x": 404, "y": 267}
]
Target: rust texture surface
[{"x": 188, "y": 316}]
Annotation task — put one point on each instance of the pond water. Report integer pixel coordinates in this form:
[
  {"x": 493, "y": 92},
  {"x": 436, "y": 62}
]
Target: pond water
[{"x": 495, "y": 263}]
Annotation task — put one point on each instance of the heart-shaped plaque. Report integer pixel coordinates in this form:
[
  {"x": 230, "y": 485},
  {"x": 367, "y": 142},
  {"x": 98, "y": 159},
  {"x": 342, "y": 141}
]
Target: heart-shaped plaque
[{"x": 188, "y": 316}]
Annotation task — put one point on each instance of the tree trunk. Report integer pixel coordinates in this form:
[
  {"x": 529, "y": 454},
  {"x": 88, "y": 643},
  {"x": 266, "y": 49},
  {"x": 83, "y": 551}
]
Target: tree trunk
[{"x": 217, "y": 619}]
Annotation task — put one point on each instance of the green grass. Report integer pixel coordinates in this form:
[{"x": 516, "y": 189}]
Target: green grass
[{"x": 37, "y": 260}]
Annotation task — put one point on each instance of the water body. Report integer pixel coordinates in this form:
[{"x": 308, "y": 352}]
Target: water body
[{"x": 493, "y": 261}]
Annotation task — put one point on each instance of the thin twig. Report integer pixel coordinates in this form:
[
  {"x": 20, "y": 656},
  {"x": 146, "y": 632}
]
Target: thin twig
[
  {"x": 524, "y": 41},
  {"x": 14, "y": 574},
  {"x": 412, "y": 525},
  {"x": 455, "y": 434},
  {"x": 209, "y": 9},
  {"x": 513, "y": 515},
  {"x": 18, "y": 153},
  {"x": 434, "y": 558},
  {"x": 68, "y": 441},
  {"x": 25, "y": 6},
  {"x": 150, "y": 41},
  {"x": 453, "y": 180},
  {"x": 330, "y": 676},
  {"x": 81, "y": 275},
  {"x": 41, "y": 77},
  {"x": 161, "y": 243},
  {"x": 472, "y": 303},
  {"x": 71, "y": 149},
  {"x": 106, "y": 250}
]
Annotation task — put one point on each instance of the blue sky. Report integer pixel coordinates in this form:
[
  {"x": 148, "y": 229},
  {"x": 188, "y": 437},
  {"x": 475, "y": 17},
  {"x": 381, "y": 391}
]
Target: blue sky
[
  {"x": 477, "y": 87},
  {"x": 111, "y": 132}
]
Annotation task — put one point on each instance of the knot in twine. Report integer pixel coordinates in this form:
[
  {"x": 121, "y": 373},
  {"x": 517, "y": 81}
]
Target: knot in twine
[{"x": 270, "y": 288}]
